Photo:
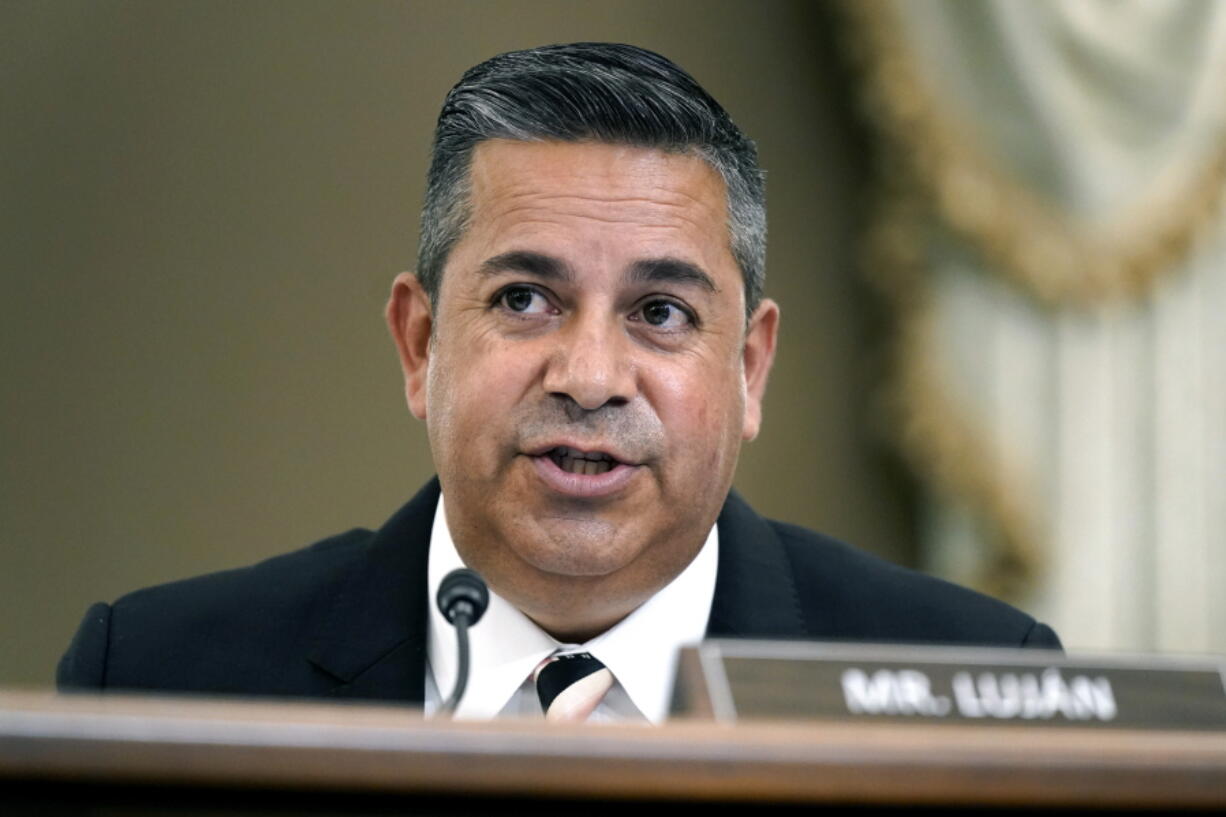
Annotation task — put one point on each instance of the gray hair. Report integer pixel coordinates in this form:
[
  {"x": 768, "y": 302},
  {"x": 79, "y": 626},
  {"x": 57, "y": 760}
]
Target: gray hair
[{"x": 603, "y": 92}]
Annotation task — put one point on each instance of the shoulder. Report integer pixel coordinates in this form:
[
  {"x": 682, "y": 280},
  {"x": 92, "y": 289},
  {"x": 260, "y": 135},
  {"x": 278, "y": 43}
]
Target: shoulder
[
  {"x": 250, "y": 592},
  {"x": 846, "y": 593},
  {"x": 284, "y": 626},
  {"x": 245, "y": 628}
]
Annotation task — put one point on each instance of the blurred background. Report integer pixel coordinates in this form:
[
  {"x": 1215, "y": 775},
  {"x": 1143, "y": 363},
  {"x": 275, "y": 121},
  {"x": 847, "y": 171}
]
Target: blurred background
[{"x": 995, "y": 236}]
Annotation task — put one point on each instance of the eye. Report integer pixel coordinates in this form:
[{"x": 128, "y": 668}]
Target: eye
[
  {"x": 522, "y": 299},
  {"x": 664, "y": 315}
]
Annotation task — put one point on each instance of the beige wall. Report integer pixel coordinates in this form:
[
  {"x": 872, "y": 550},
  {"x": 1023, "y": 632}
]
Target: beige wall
[{"x": 204, "y": 204}]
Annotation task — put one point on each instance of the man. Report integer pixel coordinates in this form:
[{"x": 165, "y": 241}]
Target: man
[{"x": 587, "y": 342}]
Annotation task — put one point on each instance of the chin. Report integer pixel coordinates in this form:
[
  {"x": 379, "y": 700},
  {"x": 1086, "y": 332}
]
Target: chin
[{"x": 575, "y": 547}]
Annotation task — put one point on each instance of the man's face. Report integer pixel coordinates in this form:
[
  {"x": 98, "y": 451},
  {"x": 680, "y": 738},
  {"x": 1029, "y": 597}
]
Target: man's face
[{"x": 587, "y": 377}]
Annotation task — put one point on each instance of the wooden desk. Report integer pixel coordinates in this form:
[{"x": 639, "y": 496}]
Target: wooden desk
[{"x": 147, "y": 755}]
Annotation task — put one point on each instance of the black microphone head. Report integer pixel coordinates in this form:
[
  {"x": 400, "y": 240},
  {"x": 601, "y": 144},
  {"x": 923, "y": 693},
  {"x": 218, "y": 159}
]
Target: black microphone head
[{"x": 463, "y": 591}]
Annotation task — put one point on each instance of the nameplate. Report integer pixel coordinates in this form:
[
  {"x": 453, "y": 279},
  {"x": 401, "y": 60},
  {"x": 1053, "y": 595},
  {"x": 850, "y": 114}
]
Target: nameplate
[{"x": 732, "y": 680}]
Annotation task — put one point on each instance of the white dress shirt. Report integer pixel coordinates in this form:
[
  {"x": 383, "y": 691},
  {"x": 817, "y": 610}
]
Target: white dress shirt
[{"x": 506, "y": 646}]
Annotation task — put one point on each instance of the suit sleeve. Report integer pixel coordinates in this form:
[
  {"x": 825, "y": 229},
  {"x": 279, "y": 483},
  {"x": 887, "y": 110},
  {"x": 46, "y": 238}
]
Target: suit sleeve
[
  {"x": 1042, "y": 637},
  {"x": 84, "y": 664}
]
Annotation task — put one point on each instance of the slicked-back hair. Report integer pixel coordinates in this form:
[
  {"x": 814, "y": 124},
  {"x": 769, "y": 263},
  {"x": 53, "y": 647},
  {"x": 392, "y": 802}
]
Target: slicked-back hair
[{"x": 600, "y": 92}]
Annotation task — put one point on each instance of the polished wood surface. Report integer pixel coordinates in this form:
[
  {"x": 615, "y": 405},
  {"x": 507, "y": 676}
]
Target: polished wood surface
[{"x": 63, "y": 741}]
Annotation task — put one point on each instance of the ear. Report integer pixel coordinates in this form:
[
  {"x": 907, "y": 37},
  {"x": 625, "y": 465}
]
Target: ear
[
  {"x": 757, "y": 358},
  {"x": 410, "y": 320}
]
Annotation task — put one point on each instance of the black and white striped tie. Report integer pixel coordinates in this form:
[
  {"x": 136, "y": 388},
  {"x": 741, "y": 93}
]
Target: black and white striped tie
[{"x": 571, "y": 686}]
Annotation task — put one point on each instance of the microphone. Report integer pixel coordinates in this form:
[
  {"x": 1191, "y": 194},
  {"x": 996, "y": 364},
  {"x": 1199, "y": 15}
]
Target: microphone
[{"x": 462, "y": 599}]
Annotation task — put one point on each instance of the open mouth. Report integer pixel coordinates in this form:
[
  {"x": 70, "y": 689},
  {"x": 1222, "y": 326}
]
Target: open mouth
[{"x": 574, "y": 461}]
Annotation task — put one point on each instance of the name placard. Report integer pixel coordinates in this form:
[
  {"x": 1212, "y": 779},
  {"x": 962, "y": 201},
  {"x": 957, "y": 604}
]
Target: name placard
[{"x": 730, "y": 680}]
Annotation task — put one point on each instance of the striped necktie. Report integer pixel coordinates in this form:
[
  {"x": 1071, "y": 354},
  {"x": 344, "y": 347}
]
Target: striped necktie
[{"x": 571, "y": 686}]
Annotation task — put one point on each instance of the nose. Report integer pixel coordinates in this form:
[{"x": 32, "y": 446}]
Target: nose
[{"x": 591, "y": 364}]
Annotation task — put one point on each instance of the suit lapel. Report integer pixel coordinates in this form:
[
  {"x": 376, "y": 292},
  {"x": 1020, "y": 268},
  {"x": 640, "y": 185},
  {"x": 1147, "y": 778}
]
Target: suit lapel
[
  {"x": 755, "y": 592},
  {"x": 371, "y": 633}
]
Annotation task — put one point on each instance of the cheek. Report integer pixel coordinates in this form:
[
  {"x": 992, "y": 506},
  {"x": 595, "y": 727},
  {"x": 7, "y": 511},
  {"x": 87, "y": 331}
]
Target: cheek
[
  {"x": 473, "y": 384},
  {"x": 703, "y": 411}
]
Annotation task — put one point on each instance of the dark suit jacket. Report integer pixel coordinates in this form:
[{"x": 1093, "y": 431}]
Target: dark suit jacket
[{"x": 346, "y": 617}]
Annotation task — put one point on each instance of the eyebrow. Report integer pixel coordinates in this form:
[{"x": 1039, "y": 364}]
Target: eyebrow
[
  {"x": 647, "y": 270},
  {"x": 671, "y": 270},
  {"x": 532, "y": 263}
]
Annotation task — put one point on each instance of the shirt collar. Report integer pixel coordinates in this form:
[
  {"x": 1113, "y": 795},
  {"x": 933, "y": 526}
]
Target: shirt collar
[{"x": 506, "y": 646}]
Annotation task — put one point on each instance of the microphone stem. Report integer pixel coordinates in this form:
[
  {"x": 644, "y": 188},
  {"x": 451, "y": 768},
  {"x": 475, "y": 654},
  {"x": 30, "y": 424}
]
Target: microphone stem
[{"x": 461, "y": 678}]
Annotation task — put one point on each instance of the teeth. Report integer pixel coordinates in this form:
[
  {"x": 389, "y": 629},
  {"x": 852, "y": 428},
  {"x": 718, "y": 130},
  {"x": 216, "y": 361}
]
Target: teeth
[
  {"x": 574, "y": 465},
  {"x": 576, "y": 462}
]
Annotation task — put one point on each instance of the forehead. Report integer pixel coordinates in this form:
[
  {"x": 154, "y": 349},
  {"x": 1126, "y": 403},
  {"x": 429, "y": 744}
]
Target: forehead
[{"x": 597, "y": 200}]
